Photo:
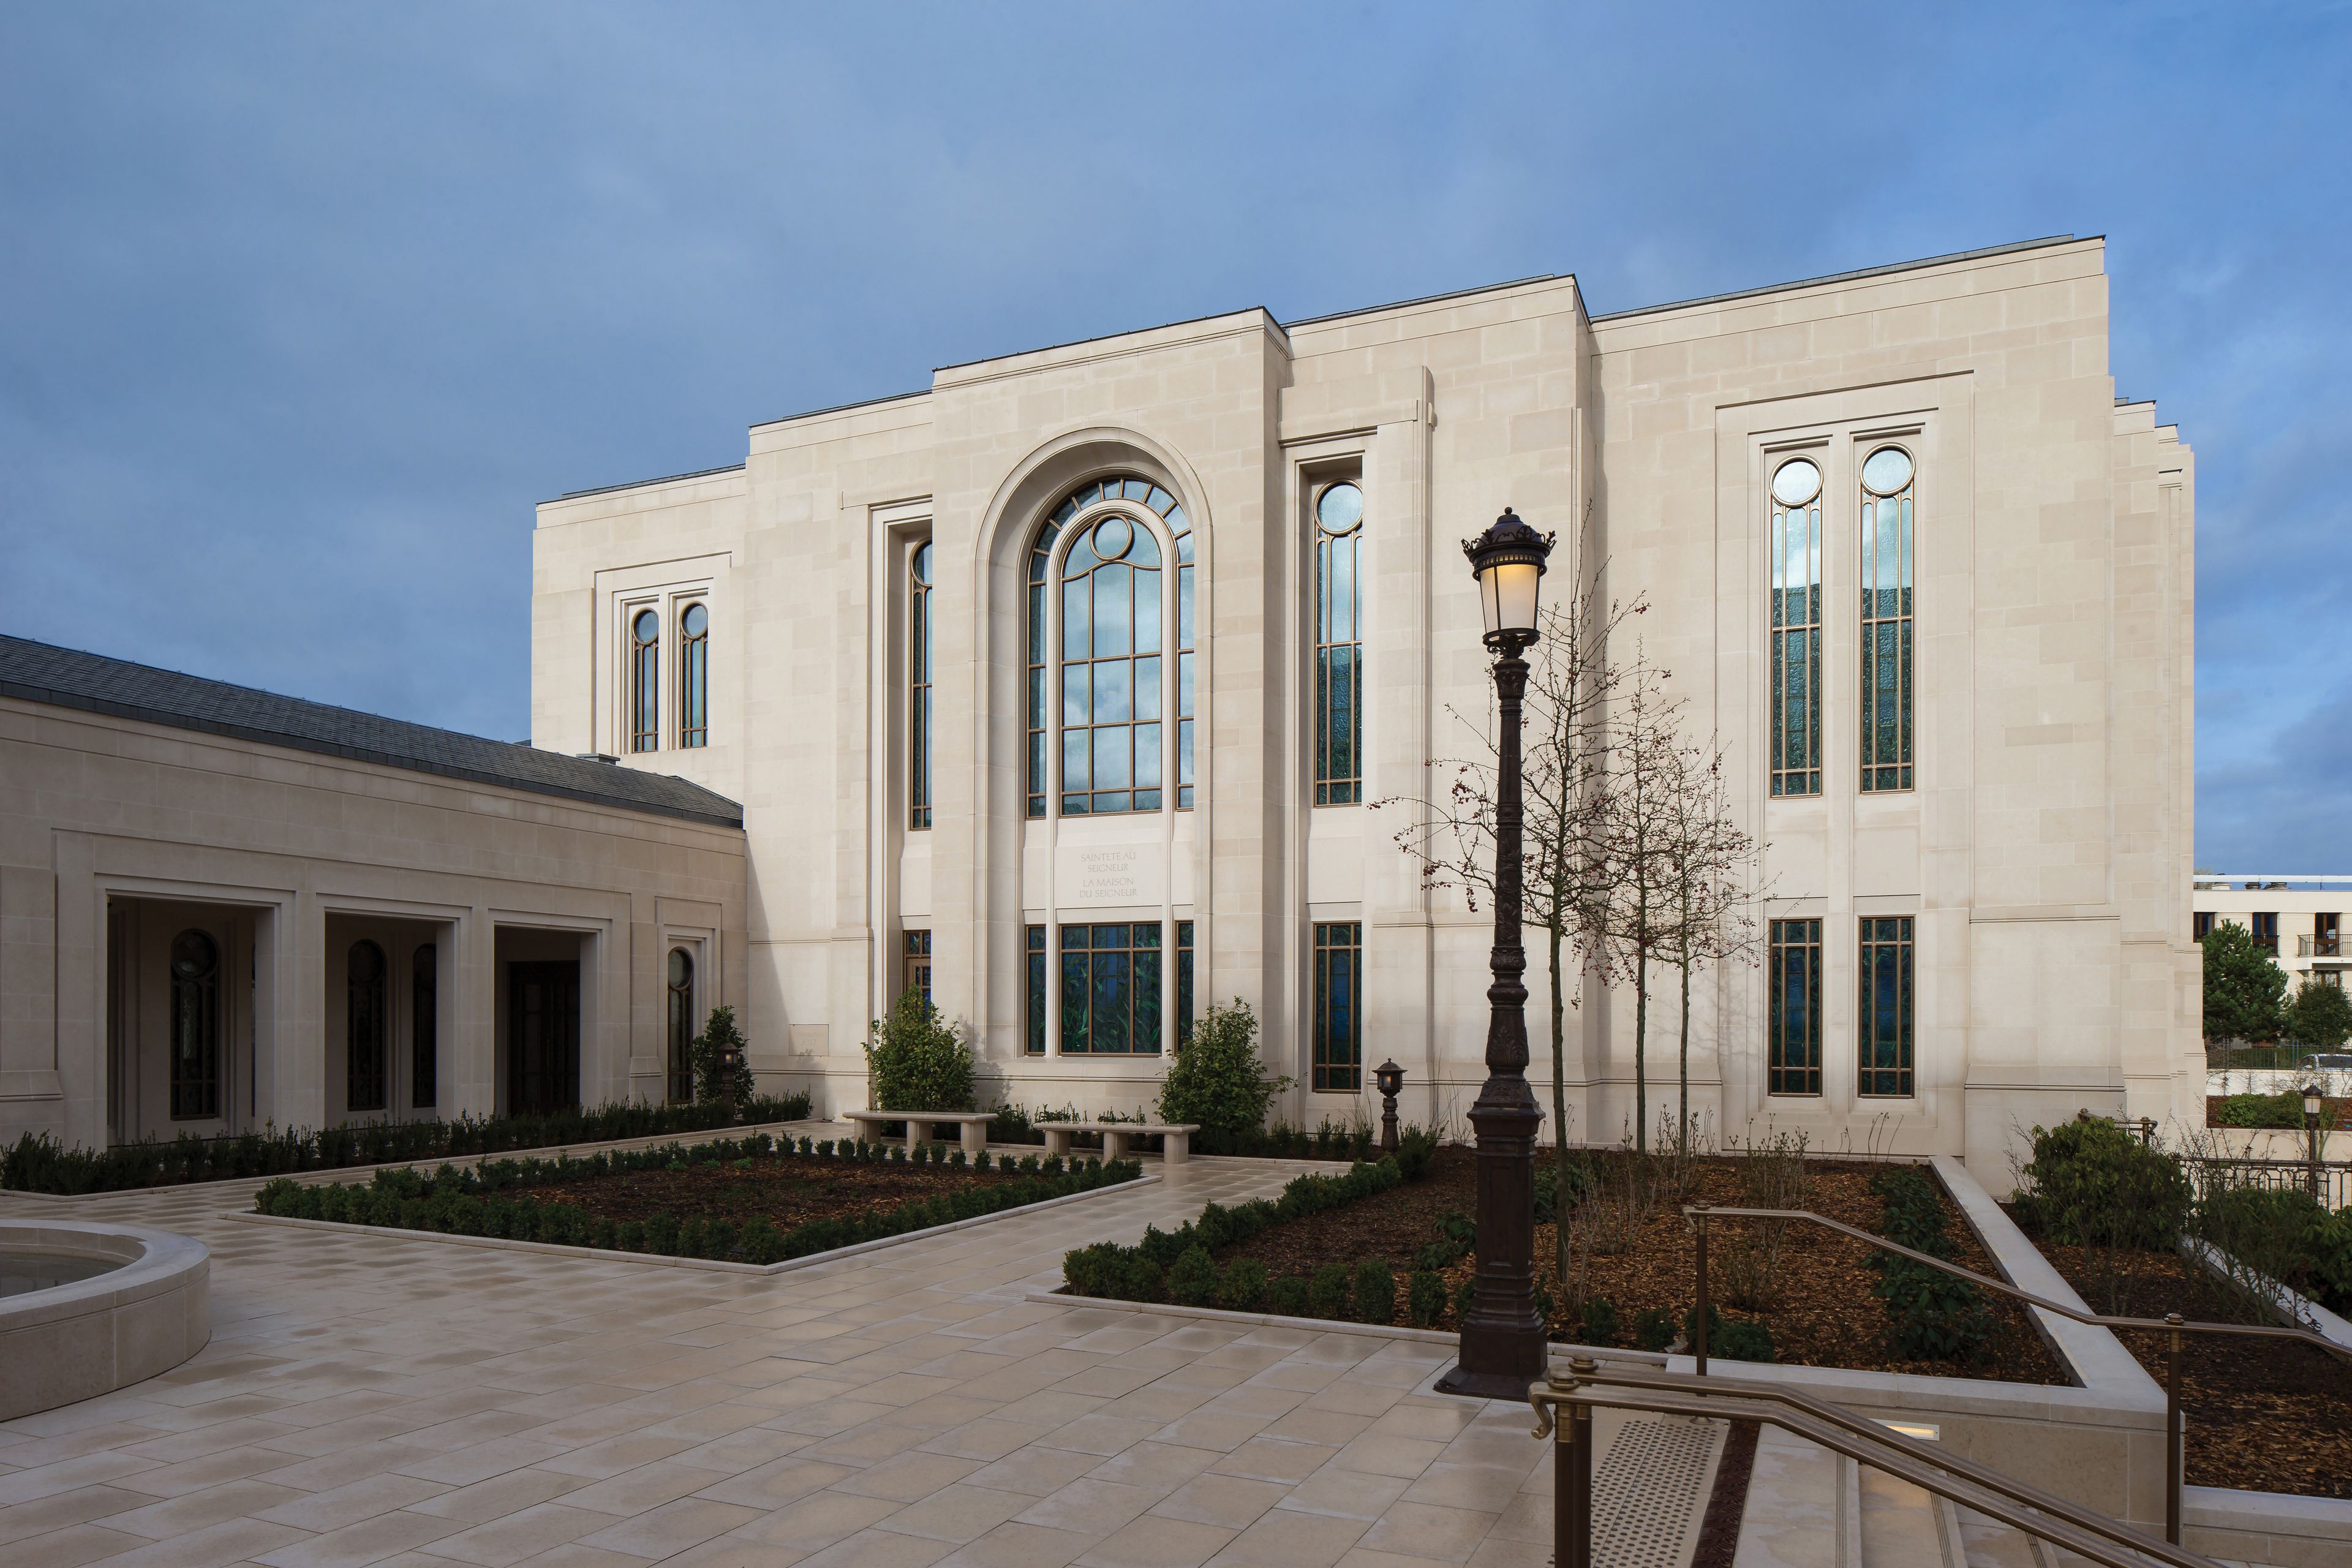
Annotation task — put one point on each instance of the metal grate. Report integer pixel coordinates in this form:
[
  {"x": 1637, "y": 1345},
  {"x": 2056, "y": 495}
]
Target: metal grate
[{"x": 1648, "y": 1489}]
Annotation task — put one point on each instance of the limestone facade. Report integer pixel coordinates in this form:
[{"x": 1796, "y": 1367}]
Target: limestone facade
[{"x": 2039, "y": 853}]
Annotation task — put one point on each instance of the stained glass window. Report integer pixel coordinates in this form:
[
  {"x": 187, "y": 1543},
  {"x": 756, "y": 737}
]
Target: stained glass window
[
  {"x": 680, "y": 988},
  {"x": 1111, "y": 990},
  {"x": 918, "y": 686},
  {"x": 1794, "y": 1004},
  {"x": 195, "y": 1027},
  {"x": 1887, "y": 626},
  {"x": 1339, "y": 645},
  {"x": 1339, "y": 1005},
  {"x": 424, "y": 1028},
  {"x": 645, "y": 677},
  {"x": 1033, "y": 1039},
  {"x": 1097, "y": 649},
  {"x": 363, "y": 1038},
  {"x": 1885, "y": 1032},
  {"x": 1183, "y": 980},
  {"x": 1796, "y": 545},
  {"x": 693, "y": 677}
]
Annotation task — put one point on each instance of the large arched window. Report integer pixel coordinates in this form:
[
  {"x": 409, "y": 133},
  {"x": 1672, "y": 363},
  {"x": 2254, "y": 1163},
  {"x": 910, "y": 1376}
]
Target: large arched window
[
  {"x": 1886, "y": 642},
  {"x": 919, "y": 685},
  {"x": 364, "y": 1040},
  {"x": 644, "y": 681},
  {"x": 424, "y": 1028},
  {"x": 693, "y": 677},
  {"x": 681, "y": 1026},
  {"x": 195, "y": 1027},
  {"x": 1339, "y": 645},
  {"x": 1107, "y": 672},
  {"x": 1797, "y": 627}
]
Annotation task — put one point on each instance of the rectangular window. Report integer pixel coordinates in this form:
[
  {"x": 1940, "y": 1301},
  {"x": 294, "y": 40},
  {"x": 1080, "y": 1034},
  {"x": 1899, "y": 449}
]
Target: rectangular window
[
  {"x": 2266, "y": 932},
  {"x": 644, "y": 676},
  {"x": 1884, "y": 1028},
  {"x": 919, "y": 689},
  {"x": 1796, "y": 632},
  {"x": 1111, "y": 990},
  {"x": 1185, "y": 655},
  {"x": 1033, "y": 1039},
  {"x": 2326, "y": 936},
  {"x": 1338, "y": 1006},
  {"x": 1886, "y": 625},
  {"x": 1039, "y": 558},
  {"x": 2200, "y": 924},
  {"x": 915, "y": 974},
  {"x": 1183, "y": 980},
  {"x": 1339, "y": 645},
  {"x": 693, "y": 677},
  {"x": 1794, "y": 1004}
]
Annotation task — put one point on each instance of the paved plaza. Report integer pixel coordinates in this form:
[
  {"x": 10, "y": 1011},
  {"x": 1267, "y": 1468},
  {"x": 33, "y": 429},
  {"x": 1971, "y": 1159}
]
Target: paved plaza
[{"x": 370, "y": 1398}]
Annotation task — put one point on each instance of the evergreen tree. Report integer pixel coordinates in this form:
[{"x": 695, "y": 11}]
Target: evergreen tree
[
  {"x": 2320, "y": 1017},
  {"x": 2244, "y": 985}
]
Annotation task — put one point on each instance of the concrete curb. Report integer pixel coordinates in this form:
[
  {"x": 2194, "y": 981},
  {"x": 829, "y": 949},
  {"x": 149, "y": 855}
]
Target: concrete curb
[{"x": 714, "y": 1264}]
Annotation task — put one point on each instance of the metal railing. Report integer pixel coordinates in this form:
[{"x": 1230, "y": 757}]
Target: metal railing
[
  {"x": 1564, "y": 1407},
  {"x": 2323, "y": 944},
  {"x": 2172, "y": 1324},
  {"x": 2329, "y": 1182}
]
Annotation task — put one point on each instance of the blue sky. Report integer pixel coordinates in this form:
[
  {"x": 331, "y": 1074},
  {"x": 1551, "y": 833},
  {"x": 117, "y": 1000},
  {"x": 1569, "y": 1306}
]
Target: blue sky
[{"x": 302, "y": 306}]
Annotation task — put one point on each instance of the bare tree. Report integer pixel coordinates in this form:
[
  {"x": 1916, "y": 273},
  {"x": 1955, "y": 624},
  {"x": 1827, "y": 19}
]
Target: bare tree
[
  {"x": 1636, "y": 914},
  {"x": 1565, "y": 731},
  {"x": 1711, "y": 863}
]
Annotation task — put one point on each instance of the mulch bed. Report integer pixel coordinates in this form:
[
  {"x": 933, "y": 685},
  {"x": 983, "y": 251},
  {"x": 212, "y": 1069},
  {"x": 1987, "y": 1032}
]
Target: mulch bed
[
  {"x": 2266, "y": 1414},
  {"x": 788, "y": 1192},
  {"x": 1825, "y": 1313}
]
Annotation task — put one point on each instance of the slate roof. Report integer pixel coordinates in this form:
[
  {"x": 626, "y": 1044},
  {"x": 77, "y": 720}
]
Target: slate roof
[{"x": 63, "y": 677}]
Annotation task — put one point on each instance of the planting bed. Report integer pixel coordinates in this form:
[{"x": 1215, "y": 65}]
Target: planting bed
[
  {"x": 2263, "y": 1415},
  {"x": 785, "y": 1192}
]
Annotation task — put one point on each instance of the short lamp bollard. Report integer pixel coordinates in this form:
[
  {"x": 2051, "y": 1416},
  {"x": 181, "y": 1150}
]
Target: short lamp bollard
[{"x": 1391, "y": 1079}]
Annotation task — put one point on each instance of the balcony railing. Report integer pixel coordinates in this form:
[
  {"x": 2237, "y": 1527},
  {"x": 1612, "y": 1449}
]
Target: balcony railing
[{"x": 2321, "y": 944}]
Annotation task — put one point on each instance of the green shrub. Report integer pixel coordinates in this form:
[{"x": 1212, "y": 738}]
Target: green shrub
[
  {"x": 1424, "y": 1297},
  {"x": 1464, "y": 1294},
  {"x": 1374, "y": 1291},
  {"x": 1327, "y": 1291},
  {"x": 917, "y": 1060},
  {"x": 1654, "y": 1329},
  {"x": 2320, "y": 1015},
  {"x": 2091, "y": 1183},
  {"x": 1414, "y": 1151},
  {"x": 1600, "y": 1325},
  {"x": 1931, "y": 1315},
  {"x": 2260, "y": 1111},
  {"x": 1193, "y": 1281},
  {"x": 1216, "y": 1080},
  {"x": 708, "y": 1054},
  {"x": 1289, "y": 1296},
  {"x": 2266, "y": 1235},
  {"x": 1243, "y": 1289},
  {"x": 1730, "y": 1338}
]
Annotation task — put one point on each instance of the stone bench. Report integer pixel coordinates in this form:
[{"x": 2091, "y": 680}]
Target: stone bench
[
  {"x": 1176, "y": 1138},
  {"x": 971, "y": 1126}
]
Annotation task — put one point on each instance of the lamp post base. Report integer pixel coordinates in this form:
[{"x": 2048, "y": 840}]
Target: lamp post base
[
  {"x": 1489, "y": 1384},
  {"x": 1502, "y": 1340}
]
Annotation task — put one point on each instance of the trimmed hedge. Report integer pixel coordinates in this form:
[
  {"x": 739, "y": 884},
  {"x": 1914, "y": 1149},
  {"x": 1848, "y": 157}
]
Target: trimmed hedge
[
  {"x": 460, "y": 1202},
  {"x": 41, "y": 1164}
]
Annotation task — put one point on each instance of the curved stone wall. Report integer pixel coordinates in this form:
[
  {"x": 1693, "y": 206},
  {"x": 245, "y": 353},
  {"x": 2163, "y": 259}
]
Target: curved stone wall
[{"x": 92, "y": 1336}]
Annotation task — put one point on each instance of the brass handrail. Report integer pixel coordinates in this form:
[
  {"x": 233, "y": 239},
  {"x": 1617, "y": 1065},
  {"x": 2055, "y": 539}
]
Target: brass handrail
[
  {"x": 2172, "y": 1324},
  {"x": 1562, "y": 1406}
]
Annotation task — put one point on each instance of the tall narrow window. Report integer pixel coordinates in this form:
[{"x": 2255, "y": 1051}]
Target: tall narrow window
[
  {"x": 1797, "y": 627},
  {"x": 1885, "y": 1042},
  {"x": 1032, "y": 1038},
  {"x": 2328, "y": 936},
  {"x": 915, "y": 964},
  {"x": 1183, "y": 980},
  {"x": 1338, "y": 647},
  {"x": 1103, "y": 666},
  {"x": 364, "y": 1022},
  {"x": 1886, "y": 601},
  {"x": 693, "y": 677},
  {"x": 2265, "y": 929},
  {"x": 2201, "y": 925},
  {"x": 1111, "y": 990},
  {"x": 195, "y": 1027},
  {"x": 1338, "y": 1012},
  {"x": 919, "y": 685},
  {"x": 681, "y": 1026},
  {"x": 1794, "y": 1005},
  {"x": 424, "y": 1028},
  {"x": 644, "y": 681}
]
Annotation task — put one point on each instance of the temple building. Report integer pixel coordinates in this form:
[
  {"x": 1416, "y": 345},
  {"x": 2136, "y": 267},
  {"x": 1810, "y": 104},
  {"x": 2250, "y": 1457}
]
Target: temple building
[{"x": 1089, "y": 686}]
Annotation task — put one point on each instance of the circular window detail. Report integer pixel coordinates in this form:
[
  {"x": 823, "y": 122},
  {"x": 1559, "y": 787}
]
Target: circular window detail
[
  {"x": 1339, "y": 509},
  {"x": 646, "y": 627},
  {"x": 681, "y": 968},
  {"x": 697, "y": 620},
  {"x": 919, "y": 566},
  {"x": 194, "y": 955},
  {"x": 1886, "y": 470},
  {"x": 366, "y": 963},
  {"x": 1797, "y": 482},
  {"x": 1113, "y": 536}
]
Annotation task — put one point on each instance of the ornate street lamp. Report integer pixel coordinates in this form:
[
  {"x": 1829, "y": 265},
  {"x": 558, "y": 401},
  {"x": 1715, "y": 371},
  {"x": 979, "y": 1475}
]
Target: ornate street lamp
[
  {"x": 1502, "y": 1337},
  {"x": 1391, "y": 1079}
]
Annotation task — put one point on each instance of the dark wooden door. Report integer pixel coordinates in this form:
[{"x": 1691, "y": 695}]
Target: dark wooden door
[{"x": 543, "y": 1037}]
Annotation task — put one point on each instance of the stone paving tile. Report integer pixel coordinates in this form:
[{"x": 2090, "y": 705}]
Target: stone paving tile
[{"x": 418, "y": 1405}]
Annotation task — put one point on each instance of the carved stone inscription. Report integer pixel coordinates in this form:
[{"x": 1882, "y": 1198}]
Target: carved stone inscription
[{"x": 1109, "y": 875}]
